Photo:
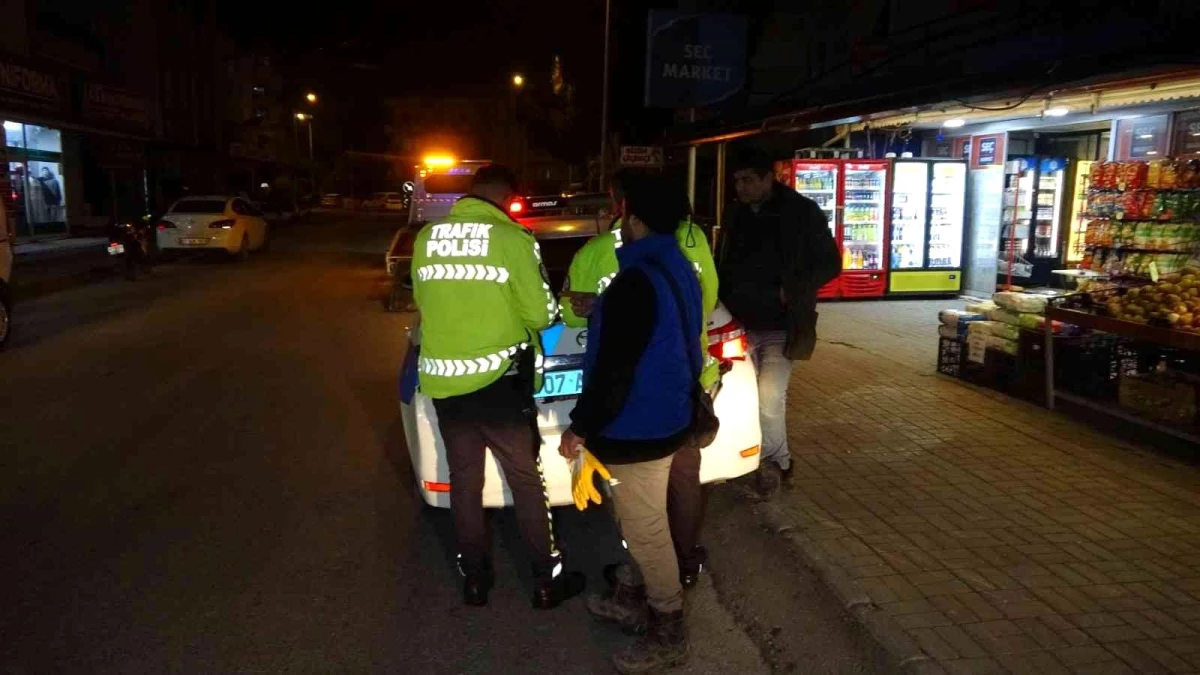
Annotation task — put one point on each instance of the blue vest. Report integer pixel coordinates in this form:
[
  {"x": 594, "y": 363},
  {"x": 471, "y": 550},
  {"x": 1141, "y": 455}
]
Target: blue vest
[{"x": 660, "y": 401}]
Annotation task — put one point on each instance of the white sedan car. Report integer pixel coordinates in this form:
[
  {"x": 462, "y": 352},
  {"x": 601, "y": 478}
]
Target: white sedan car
[
  {"x": 229, "y": 224},
  {"x": 735, "y": 452}
]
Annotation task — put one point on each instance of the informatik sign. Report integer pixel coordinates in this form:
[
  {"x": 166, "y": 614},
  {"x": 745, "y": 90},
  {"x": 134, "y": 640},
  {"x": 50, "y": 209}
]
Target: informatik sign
[
  {"x": 650, "y": 156},
  {"x": 694, "y": 60}
]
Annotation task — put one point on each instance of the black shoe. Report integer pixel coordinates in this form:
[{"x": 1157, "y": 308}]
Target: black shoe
[
  {"x": 769, "y": 478},
  {"x": 551, "y": 593},
  {"x": 691, "y": 565},
  {"x": 475, "y": 590},
  {"x": 665, "y": 644},
  {"x": 478, "y": 579},
  {"x": 786, "y": 474}
]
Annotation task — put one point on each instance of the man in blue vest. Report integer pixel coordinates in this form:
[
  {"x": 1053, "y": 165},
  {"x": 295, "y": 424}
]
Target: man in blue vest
[{"x": 640, "y": 371}]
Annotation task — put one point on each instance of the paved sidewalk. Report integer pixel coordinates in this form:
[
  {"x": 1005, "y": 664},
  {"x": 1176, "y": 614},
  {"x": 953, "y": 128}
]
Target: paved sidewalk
[{"x": 978, "y": 534}]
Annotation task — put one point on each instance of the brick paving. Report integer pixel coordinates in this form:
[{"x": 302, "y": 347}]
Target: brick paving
[{"x": 995, "y": 536}]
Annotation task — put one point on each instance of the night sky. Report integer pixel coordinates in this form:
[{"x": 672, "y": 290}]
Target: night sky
[{"x": 363, "y": 50}]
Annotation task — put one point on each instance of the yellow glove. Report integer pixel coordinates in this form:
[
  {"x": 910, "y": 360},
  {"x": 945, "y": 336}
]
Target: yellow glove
[{"x": 583, "y": 488}]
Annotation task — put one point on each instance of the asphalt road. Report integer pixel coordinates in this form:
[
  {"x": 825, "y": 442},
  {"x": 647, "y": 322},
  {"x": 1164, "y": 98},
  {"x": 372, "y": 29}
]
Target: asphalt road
[{"x": 205, "y": 472}]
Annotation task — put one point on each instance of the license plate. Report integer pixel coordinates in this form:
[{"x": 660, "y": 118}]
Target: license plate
[
  {"x": 561, "y": 383},
  {"x": 116, "y": 249},
  {"x": 192, "y": 241}
]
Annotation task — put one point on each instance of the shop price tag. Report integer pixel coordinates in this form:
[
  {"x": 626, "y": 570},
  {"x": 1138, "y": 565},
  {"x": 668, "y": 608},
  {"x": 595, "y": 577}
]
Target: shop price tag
[{"x": 1154, "y": 272}]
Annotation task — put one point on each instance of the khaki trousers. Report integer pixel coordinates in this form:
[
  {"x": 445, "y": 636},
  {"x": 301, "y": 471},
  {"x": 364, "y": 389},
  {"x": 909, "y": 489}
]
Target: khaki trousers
[{"x": 640, "y": 500}]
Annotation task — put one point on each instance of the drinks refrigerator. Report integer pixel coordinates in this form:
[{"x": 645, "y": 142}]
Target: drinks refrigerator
[
  {"x": 819, "y": 180},
  {"x": 1031, "y": 221},
  {"x": 853, "y": 195},
  {"x": 927, "y": 220}
]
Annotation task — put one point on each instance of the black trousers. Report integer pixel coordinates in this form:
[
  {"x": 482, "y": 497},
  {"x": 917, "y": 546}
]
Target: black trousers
[
  {"x": 502, "y": 417},
  {"x": 685, "y": 504}
]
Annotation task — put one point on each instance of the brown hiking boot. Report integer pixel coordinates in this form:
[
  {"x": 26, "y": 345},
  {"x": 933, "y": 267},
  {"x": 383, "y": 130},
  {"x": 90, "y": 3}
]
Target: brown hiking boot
[
  {"x": 624, "y": 604},
  {"x": 664, "y": 644}
]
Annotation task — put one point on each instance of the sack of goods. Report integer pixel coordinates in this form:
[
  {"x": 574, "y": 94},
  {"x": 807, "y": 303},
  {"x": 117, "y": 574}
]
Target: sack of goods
[
  {"x": 1006, "y": 331},
  {"x": 1038, "y": 322},
  {"x": 1002, "y": 344},
  {"x": 952, "y": 317},
  {"x": 981, "y": 328},
  {"x": 977, "y": 342},
  {"x": 981, "y": 306},
  {"x": 1020, "y": 303},
  {"x": 1004, "y": 316}
]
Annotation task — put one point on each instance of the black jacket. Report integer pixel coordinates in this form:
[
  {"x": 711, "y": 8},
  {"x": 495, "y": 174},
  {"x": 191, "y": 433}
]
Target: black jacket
[{"x": 810, "y": 259}]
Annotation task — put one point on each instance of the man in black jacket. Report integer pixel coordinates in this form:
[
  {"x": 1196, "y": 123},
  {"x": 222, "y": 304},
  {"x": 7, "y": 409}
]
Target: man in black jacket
[{"x": 777, "y": 252}]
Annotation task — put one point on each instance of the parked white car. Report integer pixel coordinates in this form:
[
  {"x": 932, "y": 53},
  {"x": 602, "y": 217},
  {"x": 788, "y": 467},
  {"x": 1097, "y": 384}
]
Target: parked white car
[
  {"x": 561, "y": 230},
  {"x": 6, "y": 263},
  {"x": 229, "y": 224}
]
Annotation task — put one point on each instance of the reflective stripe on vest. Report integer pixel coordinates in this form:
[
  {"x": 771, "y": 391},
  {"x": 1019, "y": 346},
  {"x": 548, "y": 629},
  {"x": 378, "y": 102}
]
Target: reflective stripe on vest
[
  {"x": 458, "y": 272},
  {"x": 603, "y": 282},
  {"x": 457, "y": 367}
]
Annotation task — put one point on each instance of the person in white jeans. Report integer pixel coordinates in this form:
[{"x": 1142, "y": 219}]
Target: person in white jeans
[
  {"x": 775, "y": 254},
  {"x": 774, "y": 372}
]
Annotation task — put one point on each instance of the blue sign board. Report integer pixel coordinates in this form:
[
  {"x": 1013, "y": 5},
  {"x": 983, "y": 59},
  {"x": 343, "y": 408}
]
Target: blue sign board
[{"x": 694, "y": 60}]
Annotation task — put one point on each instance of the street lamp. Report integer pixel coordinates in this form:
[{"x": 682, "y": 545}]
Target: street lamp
[
  {"x": 307, "y": 117},
  {"x": 518, "y": 80},
  {"x": 310, "y": 97}
]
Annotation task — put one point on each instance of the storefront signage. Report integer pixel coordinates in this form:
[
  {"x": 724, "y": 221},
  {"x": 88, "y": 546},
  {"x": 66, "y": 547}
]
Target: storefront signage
[
  {"x": 1187, "y": 133},
  {"x": 106, "y": 103},
  {"x": 694, "y": 60},
  {"x": 647, "y": 156},
  {"x": 23, "y": 87},
  {"x": 987, "y": 150},
  {"x": 1142, "y": 137}
]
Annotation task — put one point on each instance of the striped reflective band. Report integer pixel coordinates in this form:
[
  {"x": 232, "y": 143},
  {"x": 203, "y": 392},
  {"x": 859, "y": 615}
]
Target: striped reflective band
[
  {"x": 463, "y": 272},
  {"x": 617, "y": 235},
  {"x": 458, "y": 367},
  {"x": 603, "y": 283}
]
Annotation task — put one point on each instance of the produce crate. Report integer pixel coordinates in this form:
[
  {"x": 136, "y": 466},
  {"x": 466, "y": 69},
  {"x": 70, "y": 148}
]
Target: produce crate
[{"x": 950, "y": 357}]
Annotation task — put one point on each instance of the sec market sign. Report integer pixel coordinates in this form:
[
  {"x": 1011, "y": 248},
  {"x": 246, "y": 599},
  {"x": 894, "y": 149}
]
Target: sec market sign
[{"x": 694, "y": 60}]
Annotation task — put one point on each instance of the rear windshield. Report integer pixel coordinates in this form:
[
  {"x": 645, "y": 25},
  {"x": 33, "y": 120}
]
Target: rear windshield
[
  {"x": 199, "y": 206},
  {"x": 446, "y": 184}
]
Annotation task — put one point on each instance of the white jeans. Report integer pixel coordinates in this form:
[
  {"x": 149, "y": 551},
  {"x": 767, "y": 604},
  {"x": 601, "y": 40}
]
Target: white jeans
[{"x": 774, "y": 372}]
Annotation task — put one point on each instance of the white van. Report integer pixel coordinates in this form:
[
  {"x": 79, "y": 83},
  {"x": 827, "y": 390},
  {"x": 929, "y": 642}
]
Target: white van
[{"x": 6, "y": 263}]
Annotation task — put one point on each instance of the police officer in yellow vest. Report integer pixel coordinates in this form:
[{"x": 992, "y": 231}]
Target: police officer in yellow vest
[
  {"x": 592, "y": 269},
  {"x": 483, "y": 294}
]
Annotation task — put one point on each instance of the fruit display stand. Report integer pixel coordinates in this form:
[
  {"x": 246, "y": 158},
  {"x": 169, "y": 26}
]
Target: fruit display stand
[{"x": 1088, "y": 314}]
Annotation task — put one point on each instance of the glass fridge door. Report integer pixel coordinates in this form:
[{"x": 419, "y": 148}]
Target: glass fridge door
[
  {"x": 864, "y": 216},
  {"x": 1018, "y": 209},
  {"x": 818, "y": 181},
  {"x": 909, "y": 212},
  {"x": 1049, "y": 211},
  {"x": 946, "y": 218}
]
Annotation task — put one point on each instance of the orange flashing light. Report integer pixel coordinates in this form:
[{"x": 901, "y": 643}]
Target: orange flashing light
[
  {"x": 439, "y": 161},
  {"x": 445, "y": 487},
  {"x": 749, "y": 452}
]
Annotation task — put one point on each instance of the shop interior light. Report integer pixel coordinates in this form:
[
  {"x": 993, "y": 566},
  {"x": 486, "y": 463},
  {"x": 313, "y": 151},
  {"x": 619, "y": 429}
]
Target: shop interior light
[
  {"x": 1146, "y": 136},
  {"x": 1057, "y": 111},
  {"x": 12, "y": 126},
  {"x": 954, "y": 123}
]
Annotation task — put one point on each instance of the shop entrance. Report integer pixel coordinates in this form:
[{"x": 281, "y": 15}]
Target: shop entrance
[{"x": 35, "y": 177}]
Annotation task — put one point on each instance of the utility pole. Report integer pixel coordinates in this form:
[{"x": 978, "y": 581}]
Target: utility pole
[{"x": 604, "y": 97}]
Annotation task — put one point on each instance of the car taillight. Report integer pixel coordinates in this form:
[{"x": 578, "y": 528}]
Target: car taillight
[
  {"x": 165, "y": 225},
  {"x": 728, "y": 342},
  {"x": 516, "y": 206},
  {"x": 221, "y": 225}
]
